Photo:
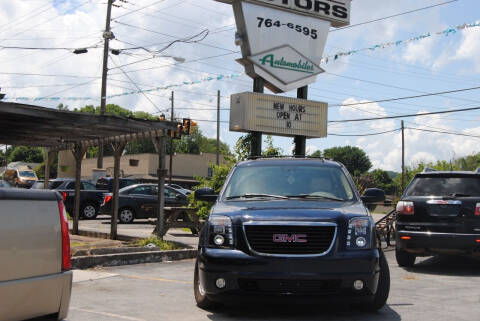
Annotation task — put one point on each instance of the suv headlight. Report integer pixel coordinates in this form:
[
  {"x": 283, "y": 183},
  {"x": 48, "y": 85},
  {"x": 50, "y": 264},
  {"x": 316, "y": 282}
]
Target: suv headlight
[
  {"x": 359, "y": 234},
  {"x": 221, "y": 232}
]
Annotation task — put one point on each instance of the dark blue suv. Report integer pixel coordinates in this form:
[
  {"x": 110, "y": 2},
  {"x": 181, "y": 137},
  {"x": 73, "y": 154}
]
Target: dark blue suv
[{"x": 290, "y": 229}]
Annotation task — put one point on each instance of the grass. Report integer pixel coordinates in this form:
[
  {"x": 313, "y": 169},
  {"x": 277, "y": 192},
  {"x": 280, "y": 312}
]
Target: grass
[
  {"x": 163, "y": 245},
  {"x": 77, "y": 244}
]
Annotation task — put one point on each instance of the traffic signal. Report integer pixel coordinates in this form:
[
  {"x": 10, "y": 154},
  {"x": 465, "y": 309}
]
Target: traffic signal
[{"x": 188, "y": 125}]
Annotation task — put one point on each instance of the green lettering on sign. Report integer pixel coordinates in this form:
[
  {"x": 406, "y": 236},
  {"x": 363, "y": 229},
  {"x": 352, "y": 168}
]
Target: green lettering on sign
[{"x": 282, "y": 63}]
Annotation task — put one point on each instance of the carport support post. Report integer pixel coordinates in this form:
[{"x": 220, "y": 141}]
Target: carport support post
[
  {"x": 159, "y": 143},
  {"x": 117, "y": 154},
  {"x": 78, "y": 153},
  {"x": 49, "y": 156}
]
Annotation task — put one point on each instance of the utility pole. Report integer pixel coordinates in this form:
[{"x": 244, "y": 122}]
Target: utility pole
[
  {"x": 403, "y": 157},
  {"x": 218, "y": 127},
  {"x": 171, "y": 143},
  {"x": 301, "y": 141},
  {"x": 107, "y": 35}
]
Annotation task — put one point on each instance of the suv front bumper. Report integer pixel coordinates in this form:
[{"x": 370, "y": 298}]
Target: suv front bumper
[
  {"x": 313, "y": 279},
  {"x": 435, "y": 242}
]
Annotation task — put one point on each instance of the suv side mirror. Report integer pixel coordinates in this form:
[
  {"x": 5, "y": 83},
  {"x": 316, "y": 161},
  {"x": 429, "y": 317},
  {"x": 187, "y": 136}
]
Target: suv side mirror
[
  {"x": 205, "y": 194},
  {"x": 373, "y": 195}
]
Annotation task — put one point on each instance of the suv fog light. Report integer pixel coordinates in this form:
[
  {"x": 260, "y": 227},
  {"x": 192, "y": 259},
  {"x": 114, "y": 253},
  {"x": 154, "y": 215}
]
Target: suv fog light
[
  {"x": 361, "y": 241},
  {"x": 358, "y": 285},
  {"x": 218, "y": 240},
  {"x": 220, "y": 283}
]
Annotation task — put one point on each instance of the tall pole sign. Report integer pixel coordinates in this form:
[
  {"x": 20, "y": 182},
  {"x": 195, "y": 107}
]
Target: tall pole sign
[{"x": 283, "y": 41}]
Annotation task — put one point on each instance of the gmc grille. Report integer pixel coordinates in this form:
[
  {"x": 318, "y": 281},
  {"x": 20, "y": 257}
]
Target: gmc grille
[{"x": 290, "y": 239}]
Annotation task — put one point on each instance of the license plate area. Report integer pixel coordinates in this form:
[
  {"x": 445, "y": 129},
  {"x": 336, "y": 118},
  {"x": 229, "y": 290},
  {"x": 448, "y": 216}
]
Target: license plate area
[{"x": 444, "y": 208}]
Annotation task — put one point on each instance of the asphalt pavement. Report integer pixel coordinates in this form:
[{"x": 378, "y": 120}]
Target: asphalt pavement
[{"x": 435, "y": 289}]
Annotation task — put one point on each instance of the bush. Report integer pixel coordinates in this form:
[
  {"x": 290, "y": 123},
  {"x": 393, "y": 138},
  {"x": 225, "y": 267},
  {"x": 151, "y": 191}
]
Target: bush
[{"x": 163, "y": 245}]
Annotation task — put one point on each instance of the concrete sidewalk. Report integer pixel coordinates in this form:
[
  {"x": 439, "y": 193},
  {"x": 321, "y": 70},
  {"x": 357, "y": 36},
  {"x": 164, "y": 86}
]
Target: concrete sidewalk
[{"x": 138, "y": 229}]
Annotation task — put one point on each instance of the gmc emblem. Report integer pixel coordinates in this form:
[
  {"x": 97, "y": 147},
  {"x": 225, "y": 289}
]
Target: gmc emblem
[{"x": 290, "y": 238}]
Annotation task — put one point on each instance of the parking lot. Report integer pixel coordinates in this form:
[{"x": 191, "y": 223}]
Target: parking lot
[{"x": 436, "y": 289}]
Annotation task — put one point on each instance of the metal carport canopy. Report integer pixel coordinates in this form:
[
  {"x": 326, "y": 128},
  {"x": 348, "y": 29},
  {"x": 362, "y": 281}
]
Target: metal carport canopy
[
  {"x": 56, "y": 130},
  {"x": 29, "y": 125}
]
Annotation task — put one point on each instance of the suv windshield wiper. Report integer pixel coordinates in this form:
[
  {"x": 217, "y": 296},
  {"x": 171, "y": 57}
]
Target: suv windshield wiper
[
  {"x": 316, "y": 197},
  {"x": 459, "y": 195},
  {"x": 255, "y": 195}
]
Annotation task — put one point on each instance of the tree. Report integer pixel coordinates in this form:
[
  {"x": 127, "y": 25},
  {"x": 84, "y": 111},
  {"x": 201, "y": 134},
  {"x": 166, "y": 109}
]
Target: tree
[
  {"x": 317, "y": 153},
  {"x": 383, "y": 181},
  {"x": 26, "y": 154},
  {"x": 354, "y": 158},
  {"x": 270, "y": 150}
]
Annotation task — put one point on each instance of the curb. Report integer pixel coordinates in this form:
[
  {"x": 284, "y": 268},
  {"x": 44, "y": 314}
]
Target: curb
[
  {"x": 103, "y": 235},
  {"x": 85, "y": 262}
]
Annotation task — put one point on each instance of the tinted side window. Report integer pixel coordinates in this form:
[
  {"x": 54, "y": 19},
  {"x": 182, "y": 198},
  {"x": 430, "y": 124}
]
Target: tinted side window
[
  {"x": 144, "y": 190},
  {"x": 54, "y": 184},
  {"x": 444, "y": 186},
  {"x": 70, "y": 185},
  {"x": 88, "y": 186}
]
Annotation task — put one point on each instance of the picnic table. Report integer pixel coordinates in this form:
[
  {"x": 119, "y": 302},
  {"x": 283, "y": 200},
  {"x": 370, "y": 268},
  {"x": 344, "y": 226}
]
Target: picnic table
[{"x": 181, "y": 217}]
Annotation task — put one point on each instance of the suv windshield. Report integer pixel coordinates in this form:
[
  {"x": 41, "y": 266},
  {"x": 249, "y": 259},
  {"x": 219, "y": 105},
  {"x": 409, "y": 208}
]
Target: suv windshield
[
  {"x": 290, "y": 181},
  {"x": 444, "y": 186}
]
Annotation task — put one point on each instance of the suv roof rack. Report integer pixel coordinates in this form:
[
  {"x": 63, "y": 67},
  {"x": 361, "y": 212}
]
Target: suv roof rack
[
  {"x": 286, "y": 156},
  {"x": 428, "y": 170}
]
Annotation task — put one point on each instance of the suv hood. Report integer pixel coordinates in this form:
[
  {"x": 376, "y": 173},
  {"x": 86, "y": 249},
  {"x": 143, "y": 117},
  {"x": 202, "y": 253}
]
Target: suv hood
[{"x": 288, "y": 210}]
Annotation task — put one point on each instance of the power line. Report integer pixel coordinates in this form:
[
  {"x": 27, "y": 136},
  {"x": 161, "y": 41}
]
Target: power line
[
  {"x": 393, "y": 16},
  {"x": 411, "y": 97},
  {"x": 142, "y": 8},
  {"x": 442, "y": 132},
  {"x": 405, "y": 116},
  {"x": 364, "y": 135}
]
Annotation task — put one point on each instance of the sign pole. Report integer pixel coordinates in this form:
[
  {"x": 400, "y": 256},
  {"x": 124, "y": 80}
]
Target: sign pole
[
  {"x": 301, "y": 141},
  {"x": 256, "y": 146}
]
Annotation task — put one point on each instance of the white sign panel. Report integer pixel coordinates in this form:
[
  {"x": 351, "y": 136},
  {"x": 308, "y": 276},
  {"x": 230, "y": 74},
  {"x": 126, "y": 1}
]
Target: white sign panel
[
  {"x": 335, "y": 11},
  {"x": 265, "y": 28},
  {"x": 278, "y": 115},
  {"x": 286, "y": 64}
]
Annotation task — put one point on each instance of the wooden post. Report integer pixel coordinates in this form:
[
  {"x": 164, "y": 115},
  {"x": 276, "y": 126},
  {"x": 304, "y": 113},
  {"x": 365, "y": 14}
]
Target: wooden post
[
  {"x": 49, "y": 157},
  {"x": 159, "y": 143},
  {"x": 78, "y": 153},
  {"x": 117, "y": 154}
]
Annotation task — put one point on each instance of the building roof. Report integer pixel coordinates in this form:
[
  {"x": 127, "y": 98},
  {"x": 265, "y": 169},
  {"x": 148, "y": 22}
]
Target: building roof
[{"x": 30, "y": 125}]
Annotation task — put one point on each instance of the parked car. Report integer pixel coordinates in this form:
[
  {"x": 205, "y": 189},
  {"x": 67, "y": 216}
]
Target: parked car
[
  {"x": 439, "y": 213},
  {"x": 4, "y": 184},
  {"x": 106, "y": 183},
  {"x": 290, "y": 229},
  {"x": 90, "y": 197},
  {"x": 141, "y": 201},
  {"x": 22, "y": 176},
  {"x": 35, "y": 276},
  {"x": 180, "y": 189}
]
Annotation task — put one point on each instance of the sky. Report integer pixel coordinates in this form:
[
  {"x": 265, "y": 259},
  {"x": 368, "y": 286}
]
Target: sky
[{"x": 143, "y": 29}]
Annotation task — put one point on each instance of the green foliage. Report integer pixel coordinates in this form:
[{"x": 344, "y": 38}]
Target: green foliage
[
  {"x": 160, "y": 243},
  {"x": 26, "y": 154},
  {"x": 354, "y": 158},
  {"x": 383, "y": 180},
  {"x": 270, "y": 150},
  {"x": 40, "y": 170},
  {"x": 220, "y": 173},
  {"x": 317, "y": 153},
  {"x": 468, "y": 163},
  {"x": 241, "y": 151}
]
